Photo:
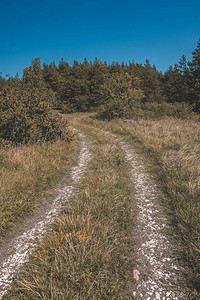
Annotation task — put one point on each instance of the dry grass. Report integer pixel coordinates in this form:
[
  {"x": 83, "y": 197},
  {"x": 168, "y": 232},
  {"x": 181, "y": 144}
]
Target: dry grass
[
  {"x": 25, "y": 172},
  {"x": 173, "y": 148},
  {"x": 88, "y": 254}
]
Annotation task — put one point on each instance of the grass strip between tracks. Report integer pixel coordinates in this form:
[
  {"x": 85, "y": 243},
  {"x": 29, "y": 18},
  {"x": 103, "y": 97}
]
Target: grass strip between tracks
[
  {"x": 170, "y": 148},
  {"x": 88, "y": 254}
]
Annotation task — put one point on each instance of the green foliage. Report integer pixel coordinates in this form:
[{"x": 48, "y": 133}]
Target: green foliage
[
  {"x": 172, "y": 82},
  {"x": 151, "y": 83},
  {"x": 79, "y": 88},
  {"x": 182, "y": 83},
  {"x": 32, "y": 76},
  {"x": 80, "y": 85},
  {"x": 85, "y": 86},
  {"x": 2, "y": 82},
  {"x": 121, "y": 92},
  {"x": 195, "y": 74},
  {"x": 26, "y": 117}
]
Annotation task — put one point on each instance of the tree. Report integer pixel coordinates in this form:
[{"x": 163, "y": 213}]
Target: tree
[
  {"x": 172, "y": 83},
  {"x": 27, "y": 117},
  {"x": 3, "y": 82},
  {"x": 32, "y": 76},
  {"x": 97, "y": 73},
  {"x": 195, "y": 77},
  {"x": 121, "y": 93},
  {"x": 151, "y": 83}
]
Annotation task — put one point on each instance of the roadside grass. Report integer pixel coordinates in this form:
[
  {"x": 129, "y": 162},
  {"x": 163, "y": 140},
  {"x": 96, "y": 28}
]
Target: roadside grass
[
  {"x": 26, "y": 171},
  {"x": 89, "y": 253},
  {"x": 172, "y": 147}
]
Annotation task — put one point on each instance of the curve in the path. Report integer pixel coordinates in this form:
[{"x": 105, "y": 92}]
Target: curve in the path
[
  {"x": 22, "y": 246},
  {"x": 157, "y": 274}
]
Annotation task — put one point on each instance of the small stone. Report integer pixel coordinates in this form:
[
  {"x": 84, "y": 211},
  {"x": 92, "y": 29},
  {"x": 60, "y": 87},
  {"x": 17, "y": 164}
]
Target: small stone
[
  {"x": 157, "y": 296},
  {"x": 136, "y": 274}
]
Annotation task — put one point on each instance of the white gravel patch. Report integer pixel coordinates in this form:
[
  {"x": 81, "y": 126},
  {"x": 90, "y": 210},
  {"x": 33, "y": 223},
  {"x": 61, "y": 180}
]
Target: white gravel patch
[
  {"x": 156, "y": 275},
  {"x": 27, "y": 242}
]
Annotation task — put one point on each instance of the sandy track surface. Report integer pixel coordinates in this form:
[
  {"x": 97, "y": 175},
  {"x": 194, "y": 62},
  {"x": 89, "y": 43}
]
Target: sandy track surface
[
  {"x": 157, "y": 274},
  {"x": 16, "y": 252}
]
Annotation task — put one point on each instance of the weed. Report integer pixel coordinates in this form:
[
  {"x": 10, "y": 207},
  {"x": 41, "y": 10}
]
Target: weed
[
  {"x": 88, "y": 254},
  {"x": 26, "y": 171},
  {"x": 172, "y": 149}
]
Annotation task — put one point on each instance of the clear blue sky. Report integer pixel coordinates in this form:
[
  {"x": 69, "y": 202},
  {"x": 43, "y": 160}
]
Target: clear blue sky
[{"x": 110, "y": 30}]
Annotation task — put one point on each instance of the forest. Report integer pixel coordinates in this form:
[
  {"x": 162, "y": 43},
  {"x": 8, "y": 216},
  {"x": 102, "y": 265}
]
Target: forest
[{"x": 113, "y": 91}]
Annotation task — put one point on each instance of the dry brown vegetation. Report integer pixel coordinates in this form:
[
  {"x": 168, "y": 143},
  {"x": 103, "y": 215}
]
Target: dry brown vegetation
[
  {"x": 88, "y": 254},
  {"x": 173, "y": 146},
  {"x": 25, "y": 172}
]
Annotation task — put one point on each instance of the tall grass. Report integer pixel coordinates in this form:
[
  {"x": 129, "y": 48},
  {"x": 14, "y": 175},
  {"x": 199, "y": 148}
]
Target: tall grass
[
  {"x": 25, "y": 172},
  {"x": 88, "y": 254},
  {"x": 173, "y": 148}
]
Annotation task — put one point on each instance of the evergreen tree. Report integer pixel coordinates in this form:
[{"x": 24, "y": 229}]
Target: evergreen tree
[
  {"x": 121, "y": 95},
  {"x": 172, "y": 83},
  {"x": 32, "y": 76},
  {"x": 97, "y": 73},
  {"x": 195, "y": 77},
  {"x": 186, "y": 80},
  {"x": 3, "y": 82},
  {"x": 151, "y": 83}
]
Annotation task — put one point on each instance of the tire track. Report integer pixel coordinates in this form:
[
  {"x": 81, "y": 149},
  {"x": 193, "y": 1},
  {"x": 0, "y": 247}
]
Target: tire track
[
  {"x": 157, "y": 275},
  {"x": 17, "y": 252}
]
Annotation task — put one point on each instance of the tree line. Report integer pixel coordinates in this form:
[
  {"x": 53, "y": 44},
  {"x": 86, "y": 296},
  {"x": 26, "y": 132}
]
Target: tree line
[{"x": 111, "y": 89}]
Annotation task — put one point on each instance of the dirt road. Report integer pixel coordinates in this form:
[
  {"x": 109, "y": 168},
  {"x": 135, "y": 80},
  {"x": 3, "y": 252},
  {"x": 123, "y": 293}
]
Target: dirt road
[{"x": 15, "y": 252}]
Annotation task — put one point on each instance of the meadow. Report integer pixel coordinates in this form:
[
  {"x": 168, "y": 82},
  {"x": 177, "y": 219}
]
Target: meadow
[
  {"x": 172, "y": 147},
  {"x": 89, "y": 254},
  {"x": 27, "y": 172}
]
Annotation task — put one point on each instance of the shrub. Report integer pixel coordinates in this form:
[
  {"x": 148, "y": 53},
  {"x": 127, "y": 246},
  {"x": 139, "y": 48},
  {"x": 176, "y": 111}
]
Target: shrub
[
  {"x": 27, "y": 117},
  {"x": 121, "y": 93}
]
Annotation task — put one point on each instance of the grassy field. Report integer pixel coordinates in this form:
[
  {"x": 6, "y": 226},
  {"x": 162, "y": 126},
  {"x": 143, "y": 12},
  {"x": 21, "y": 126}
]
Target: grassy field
[
  {"x": 26, "y": 172},
  {"x": 172, "y": 146},
  {"x": 89, "y": 253}
]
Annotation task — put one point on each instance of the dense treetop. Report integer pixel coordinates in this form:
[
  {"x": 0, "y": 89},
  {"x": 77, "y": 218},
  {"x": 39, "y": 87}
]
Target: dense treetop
[{"x": 113, "y": 90}]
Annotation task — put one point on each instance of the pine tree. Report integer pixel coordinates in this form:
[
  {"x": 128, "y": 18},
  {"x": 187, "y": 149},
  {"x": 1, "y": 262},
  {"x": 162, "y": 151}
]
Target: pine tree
[
  {"x": 151, "y": 83},
  {"x": 97, "y": 73},
  {"x": 195, "y": 78},
  {"x": 121, "y": 94},
  {"x": 32, "y": 76},
  {"x": 185, "y": 92},
  {"x": 172, "y": 83},
  {"x": 3, "y": 82}
]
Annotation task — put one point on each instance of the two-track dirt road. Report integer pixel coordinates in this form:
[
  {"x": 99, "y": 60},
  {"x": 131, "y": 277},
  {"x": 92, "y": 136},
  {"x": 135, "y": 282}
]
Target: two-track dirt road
[
  {"x": 15, "y": 252},
  {"x": 156, "y": 274}
]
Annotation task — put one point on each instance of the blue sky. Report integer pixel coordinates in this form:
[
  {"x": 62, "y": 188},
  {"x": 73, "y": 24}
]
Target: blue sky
[{"x": 160, "y": 31}]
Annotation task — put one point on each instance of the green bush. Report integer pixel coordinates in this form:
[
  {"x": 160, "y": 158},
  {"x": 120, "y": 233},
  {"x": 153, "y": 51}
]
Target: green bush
[
  {"x": 121, "y": 93},
  {"x": 27, "y": 117}
]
